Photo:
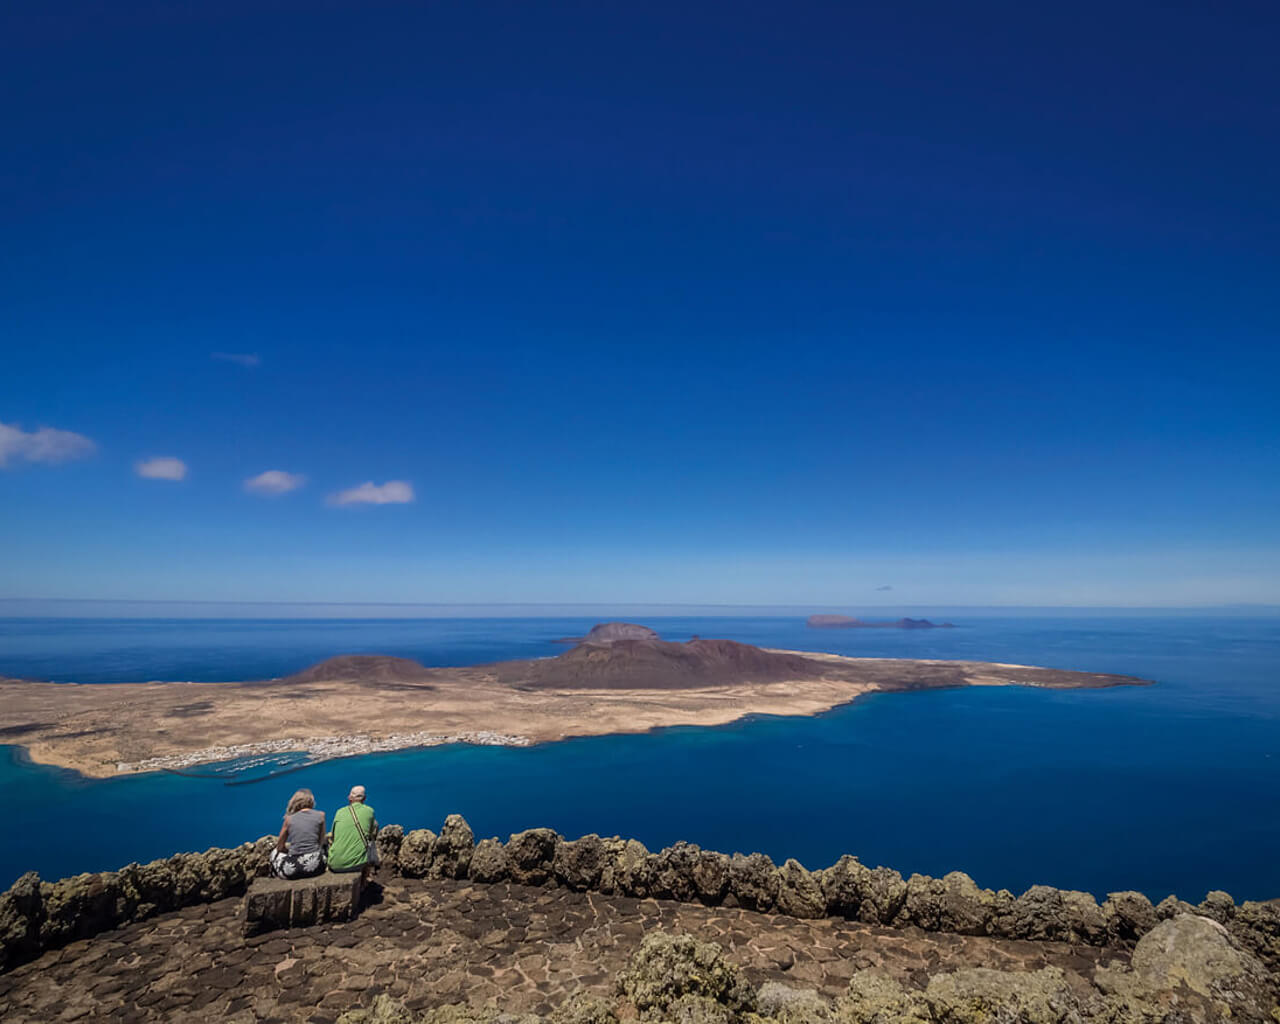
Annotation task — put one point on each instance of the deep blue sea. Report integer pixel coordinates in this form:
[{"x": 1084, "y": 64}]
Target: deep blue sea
[{"x": 1168, "y": 788}]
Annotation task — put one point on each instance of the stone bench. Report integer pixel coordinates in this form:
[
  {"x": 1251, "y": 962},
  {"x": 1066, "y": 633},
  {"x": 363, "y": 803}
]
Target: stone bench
[{"x": 294, "y": 903}]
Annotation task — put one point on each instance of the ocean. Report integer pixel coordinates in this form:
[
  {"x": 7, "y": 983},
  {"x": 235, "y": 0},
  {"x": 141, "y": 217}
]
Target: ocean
[{"x": 1172, "y": 788}]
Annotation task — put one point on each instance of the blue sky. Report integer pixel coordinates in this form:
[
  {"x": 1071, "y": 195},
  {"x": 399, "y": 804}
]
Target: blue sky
[{"x": 748, "y": 304}]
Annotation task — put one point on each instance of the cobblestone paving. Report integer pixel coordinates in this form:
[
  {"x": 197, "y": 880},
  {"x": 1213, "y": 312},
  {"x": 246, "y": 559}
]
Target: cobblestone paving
[{"x": 430, "y": 943}]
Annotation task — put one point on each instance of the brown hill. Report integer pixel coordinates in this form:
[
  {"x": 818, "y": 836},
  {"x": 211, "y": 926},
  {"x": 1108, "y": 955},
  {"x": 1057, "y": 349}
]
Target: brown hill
[
  {"x": 658, "y": 665},
  {"x": 365, "y": 669}
]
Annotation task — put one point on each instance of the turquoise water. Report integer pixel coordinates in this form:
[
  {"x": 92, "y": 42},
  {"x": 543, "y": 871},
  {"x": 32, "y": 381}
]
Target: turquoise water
[{"x": 1168, "y": 788}]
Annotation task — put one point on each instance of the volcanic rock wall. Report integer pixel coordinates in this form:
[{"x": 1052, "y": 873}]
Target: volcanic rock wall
[{"x": 37, "y": 915}]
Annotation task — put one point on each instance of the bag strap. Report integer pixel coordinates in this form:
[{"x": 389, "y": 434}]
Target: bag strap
[{"x": 356, "y": 818}]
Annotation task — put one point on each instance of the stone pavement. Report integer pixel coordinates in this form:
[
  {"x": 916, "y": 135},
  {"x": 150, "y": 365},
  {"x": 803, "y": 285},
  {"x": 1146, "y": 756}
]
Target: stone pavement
[{"x": 430, "y": 943}]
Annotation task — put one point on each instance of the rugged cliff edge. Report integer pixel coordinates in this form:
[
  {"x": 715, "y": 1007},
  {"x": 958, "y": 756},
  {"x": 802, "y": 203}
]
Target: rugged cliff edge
[{"x": 595, "y": 928}]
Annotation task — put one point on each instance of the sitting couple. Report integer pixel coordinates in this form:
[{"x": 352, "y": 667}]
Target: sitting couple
[{"x": 300, "y": 847}]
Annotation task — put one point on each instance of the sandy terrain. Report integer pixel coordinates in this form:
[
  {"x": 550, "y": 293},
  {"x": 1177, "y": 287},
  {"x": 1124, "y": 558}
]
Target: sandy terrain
[{"x": 104, "y": 730}]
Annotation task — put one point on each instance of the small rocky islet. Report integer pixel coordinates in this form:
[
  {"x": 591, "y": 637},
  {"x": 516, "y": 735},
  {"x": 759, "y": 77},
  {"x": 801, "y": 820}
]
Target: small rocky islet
[{"x": 598, "y": 930}]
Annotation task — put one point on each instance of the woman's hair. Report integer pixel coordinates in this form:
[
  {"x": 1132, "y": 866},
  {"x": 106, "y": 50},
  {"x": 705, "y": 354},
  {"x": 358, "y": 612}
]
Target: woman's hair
[{"x": 300, "y": 801}]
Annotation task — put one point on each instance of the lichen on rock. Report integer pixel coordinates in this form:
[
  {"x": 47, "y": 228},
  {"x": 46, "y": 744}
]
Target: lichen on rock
[
  {"x": 979, "y": 995},
  {"x": 874, "y": 997},
  {"x": 668, "y": 968}
]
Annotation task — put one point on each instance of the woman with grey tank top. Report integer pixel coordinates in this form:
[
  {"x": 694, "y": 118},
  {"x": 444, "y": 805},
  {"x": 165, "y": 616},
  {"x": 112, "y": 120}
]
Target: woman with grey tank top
[{"x": 299, "y": 851}]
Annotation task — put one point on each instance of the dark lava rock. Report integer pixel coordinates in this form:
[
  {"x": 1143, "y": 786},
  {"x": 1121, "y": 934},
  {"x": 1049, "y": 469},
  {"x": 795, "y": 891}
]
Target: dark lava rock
[
  {"x": 1256, "y": 927},
  {"x": 390, "y": 839},
  {"x": 1129, "y": 916},
  {"x": 416, "y": 853},
  {"x": 489, "y": 862},
  {"x": 580, "y": 864},
  {"x": 953, "y": 903},
  {"x": 532, "y": 854},
  {"x": 453, "y": 849},
  {"x": 753, "y": 880},
  {"x": 853, "y": 890},
  {"x": 1057, "y": 915},
  {"x": 799, "y": 891},
  {"x": 630, "y": 870}
]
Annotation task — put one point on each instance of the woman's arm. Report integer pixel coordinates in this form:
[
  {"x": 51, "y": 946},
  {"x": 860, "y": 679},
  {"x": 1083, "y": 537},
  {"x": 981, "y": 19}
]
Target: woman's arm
[{"x": 281, "y": 845}]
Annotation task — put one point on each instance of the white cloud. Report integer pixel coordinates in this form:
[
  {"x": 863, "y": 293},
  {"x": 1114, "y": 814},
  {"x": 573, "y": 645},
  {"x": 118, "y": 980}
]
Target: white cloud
[
  {"x": 243, "y": 358},
  {"x": 161, "y": 468},
  {"x": 393, "y": 492},
  {"x": 42, "y": 445},
  {"x": 274, "y": 482}
]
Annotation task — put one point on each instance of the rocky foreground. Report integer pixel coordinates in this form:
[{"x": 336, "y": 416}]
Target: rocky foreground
[{"x": 593, "y": 929}]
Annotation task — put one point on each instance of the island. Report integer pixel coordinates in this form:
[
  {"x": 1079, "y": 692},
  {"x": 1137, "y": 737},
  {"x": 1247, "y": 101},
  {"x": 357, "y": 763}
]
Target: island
[
  {"x": 608, "y": 632},
  {"x": 358, "y": 704},
  {"x": 849, "y": 622}
]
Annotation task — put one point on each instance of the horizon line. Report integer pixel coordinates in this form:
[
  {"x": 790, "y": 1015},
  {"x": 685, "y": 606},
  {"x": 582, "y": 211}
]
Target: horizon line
[{"x": 604, "y": 604}]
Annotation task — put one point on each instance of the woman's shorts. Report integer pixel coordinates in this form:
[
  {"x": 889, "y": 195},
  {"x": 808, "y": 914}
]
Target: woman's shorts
[{"x": 296, "y": 865}]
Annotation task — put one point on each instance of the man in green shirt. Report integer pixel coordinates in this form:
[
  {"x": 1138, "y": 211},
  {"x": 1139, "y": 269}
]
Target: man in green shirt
[{"x": 354, "y": 830}]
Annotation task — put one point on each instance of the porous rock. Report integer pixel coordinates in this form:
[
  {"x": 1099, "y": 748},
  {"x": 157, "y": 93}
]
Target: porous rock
[
  {"x": 1218, "y": 906},
  {"x": 799, "y": 891},
  {"x": 390, "y": 839},
  {"x": 789, "y": 1005},
  {"x": 711, "y": 876},
  {"x": 1256, "y": 927},
  {"x": 21, "y": 913},
  {"x": 753, "y": 881},
  {"x": 78, "y": 907},
  {"x": 489, "y": 861},
  {"x": 671, "y": 873},
  {"x": 698, "y": 1010},
  {"x": 1128, "y": 916},
  {"x": 532, "y": 854},
  {"x": 667, "y": 968},
  {"x": 953, "y": 903},
  {"x": 977, "y": 995},
  {"x": 453, "y": 849},
  {"x": 1170, "y": 907},
  {"x": 1197, "y": 952},
  {"x": 1187, "y": 969},
  {"x": 883, "y": 897},
  {"x": 579, "y": 864},
  {"x": 1057, "y": 915},
  {"x": 384, "y": 1010},
  {"x": 873, "y": 997},
  {"x": 416, "y": 853},
  {"x": 583, "y": 1008},
  {"x": 631, "y": 870}
]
